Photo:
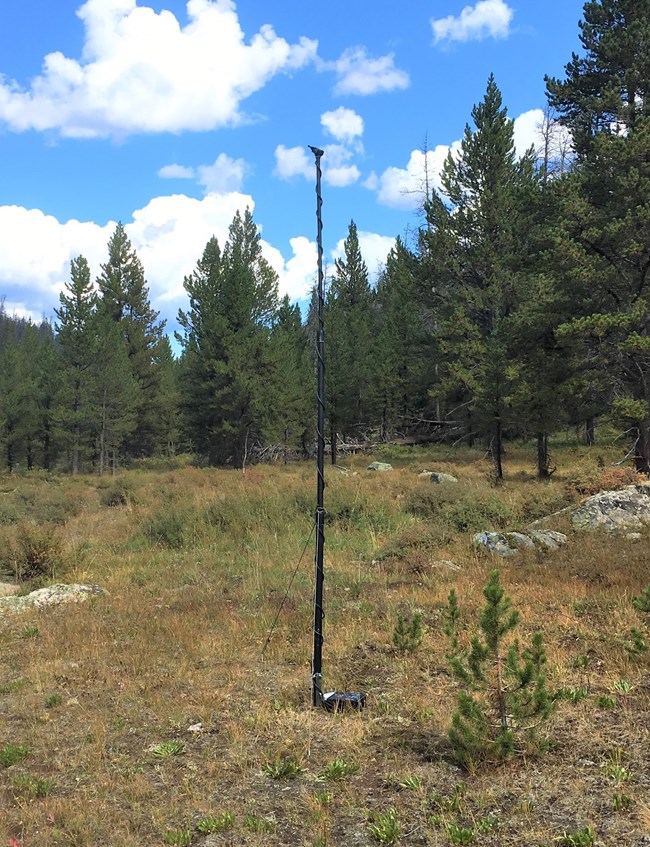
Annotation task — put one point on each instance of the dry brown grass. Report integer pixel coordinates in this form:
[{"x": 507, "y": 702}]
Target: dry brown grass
[{"x": 196, "y": 563}]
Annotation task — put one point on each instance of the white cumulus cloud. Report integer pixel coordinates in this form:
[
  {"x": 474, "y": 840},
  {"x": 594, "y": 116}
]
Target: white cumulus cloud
[
  {"x": 342, "y": 124},
  {"x": 169, "y": 235},
  {"x": 359, "y": 73},
  {"x": 487, "y": 19},
  {"x": 297, "y": 274},
  {"x": 406, "y": 188},
  {"x": 293, "y": 161},
  {"x": 335, "y": 164},
  {"x": 139, "y": 69},
  {"x": 176, "y": 171},
  {"x": 224, "y": 175}
]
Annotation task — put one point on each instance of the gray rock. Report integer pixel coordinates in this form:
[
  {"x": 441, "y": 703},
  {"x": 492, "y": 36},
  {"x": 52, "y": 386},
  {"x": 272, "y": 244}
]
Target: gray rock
[
  {"x": 627, "y": 508},
  {"x": 53, "y": 595},
  {"x": 379, "y": 466},
  {"x": 548, "y": 538},
  {"x": 520, "y": 540},
  {"x": 438, "y": 477},
  {"x": 495, "y": 542},
  {"x": 509, "y": 543}
]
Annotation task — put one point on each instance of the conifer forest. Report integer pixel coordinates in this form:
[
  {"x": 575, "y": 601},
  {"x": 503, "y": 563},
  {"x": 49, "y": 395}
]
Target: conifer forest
[{"x": 519, "y": 308}]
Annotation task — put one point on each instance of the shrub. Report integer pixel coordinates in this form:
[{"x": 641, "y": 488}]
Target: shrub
[
  {"x": 118, "y": 493},
  {"x": 37, "y": 552},
  {"x": 56, "y": 507},
  {"x": 168, "y": 528},
  {"x": 593, "y": 480},
  {"x": 461, "y": 510}
]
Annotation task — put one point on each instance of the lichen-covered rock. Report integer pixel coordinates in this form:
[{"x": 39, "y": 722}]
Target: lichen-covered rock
[
  {"x": 509, "y": 543},
  {"x": 379, "y": 466},
  {"x": 519, "y": 539},
  {"x": 438, "y": 477},
  {"x": 53, "y": 595},
  {"x": 548, "y": 538},
  {"x": 627, "y": 508},
  {"x": 495, "y": 542}
]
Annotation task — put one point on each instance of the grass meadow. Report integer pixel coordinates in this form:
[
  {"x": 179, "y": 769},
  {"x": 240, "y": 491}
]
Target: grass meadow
[{"x": 161, "y": 713}]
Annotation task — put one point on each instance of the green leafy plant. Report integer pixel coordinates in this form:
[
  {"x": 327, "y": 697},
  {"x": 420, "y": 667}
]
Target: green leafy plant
[
  {"x": 410, "y": 783},
  {"x": 338, "y": 770},
  {"x": 503, "y": 698},
  {"x": 385, "y": 827},
  {"x": 285, "y": 767},
  {"x": 178, "y": 837},
  {"x": 31, "y": 787},
  {"x": 407, "y": 637},
  {"x": 573, "y": 695},
  {"x": 255, "y": 823},
  {"x": 488, "y": 824},
  {"x": 584, "y": 837},
  {"x": 604, "y": 701},
  {"x": 30, "y": 632},
  {"x": 215, "y": 823},
  {"x": 167, "y": 748},
  {"x": 11, "y": 754},
  {"x": 617, "y": 772},
  {"x": 622, "y": 802},
  {"x": 459, "y": 834},
  {"x": 53, "y": 700},
  {"x": 452, "y": 803}
]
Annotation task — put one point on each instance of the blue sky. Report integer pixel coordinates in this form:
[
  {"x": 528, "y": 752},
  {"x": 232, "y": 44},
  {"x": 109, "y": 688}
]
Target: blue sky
[{"x": 168, "y": 116}]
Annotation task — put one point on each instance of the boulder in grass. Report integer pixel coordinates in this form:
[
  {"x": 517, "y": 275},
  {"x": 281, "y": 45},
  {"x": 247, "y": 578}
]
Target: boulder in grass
[
  {"x": 379, "y": 466},
  {"x": 53, "y": 595},
  {"x": 495, "y": 542},
  {"x": 509, "y": 543},
  {"x": 438, "y": 477},
  {"x": 548, "y": 538},
  {"x": 627, "y": 508},
  {"x": 520, "y": 539}
]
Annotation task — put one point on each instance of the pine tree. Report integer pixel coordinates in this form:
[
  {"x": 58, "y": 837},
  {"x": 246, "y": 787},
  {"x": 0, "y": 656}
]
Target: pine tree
[
  {"x": 349, "y": 329},
  {"x": 125, "y": 300},
  {"x": 603, "y": 235},
  {"x": 475, "y": 248},
  {"x": 116, "y": 393},
  {"x": 77, "y": 338},
  {"x": 227, "y": 363},
  {"x": 292, "y": 392},
  {"x": 403, "y": 352},
  {"x": 607, "y": 88},
  {"x": 504, "y": 696}
]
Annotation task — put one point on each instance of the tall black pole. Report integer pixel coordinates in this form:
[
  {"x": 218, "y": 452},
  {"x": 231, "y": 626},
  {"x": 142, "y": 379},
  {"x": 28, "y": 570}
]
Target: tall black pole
[{"x": 317, "y": 660}]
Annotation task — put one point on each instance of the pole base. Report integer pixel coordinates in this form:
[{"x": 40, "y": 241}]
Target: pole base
[{"x": 341, "y": 701}]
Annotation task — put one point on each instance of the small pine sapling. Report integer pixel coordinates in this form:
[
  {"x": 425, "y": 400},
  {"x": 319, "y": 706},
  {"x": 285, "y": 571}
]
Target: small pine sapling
[
  {"x": 408, "y": 637},
  {"x": 503, "y": 698}
]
